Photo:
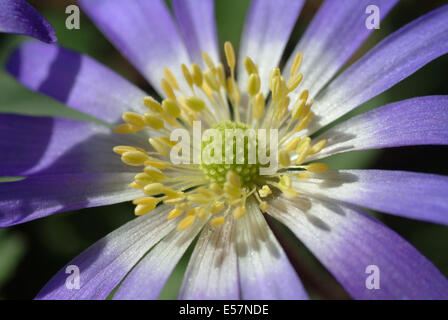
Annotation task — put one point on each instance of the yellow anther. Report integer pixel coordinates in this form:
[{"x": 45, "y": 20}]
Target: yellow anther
[
  {"x": 217, "y": 221},
  {"x": 285, "y": 186},
  {"x": 183, "y": 206},
  {"x": 134, "y": 119},
  {"x": 171, "y": 107},
  {"x": 279, "y": 89},
  {"x": 296, "y": 64},
  {"x": 304, "y": 94},
  {"x": 143, "y": 179},
  {"x": 143, "y": 200},
  {"x": 253, "y": 84},
  {"x": 167, "y": 89},
  {"x": 233, "y": 179},
  {"x": 239, "y": 212},
  {"x": 156, "y": 164},
  {"x": 166, "y": 142},
  {"x": 206, "y": 193},
  {"x": 259, "y": 106},
  {"x": 152, "y": 104},
  {"x": 197, "y": 75},
  {"x": 215, "y": 188},
  {"x": 148, "y": 206},
  {"x": 195, "y": 104},
  {"x": 236, "y": 202},
  {"x": 122, "y": 149},
  {"x": 216, "y": 207},
  {"x": 174, "y": 214},
  {"x": 289, "y": 193},
  {"x": 135, "y": 186},
  {"x": 203, "y": 213},
  {"x": 285, "y": 181},
  {"x": 230, "y": 55},
  {"x": 198, "y": 198},
  {"x": 193, "y": 212},
  {"x": 282, "y": 108},
  {"x": 231, "y": 191},
  {"x": 275, "y": 73},
  {"x": 125, "y": 128},
  {"x": 250, "y": 66},
  {"x": 207, "y": 90},
  {"x": 264, "y": 206},
  {"x": 264, "y": 191},
  {"x": 318, "y": 146},
  {"x": 211, "y": 80},
  {"x": 159, "y": 147},
  {"x": 208, "y": 61},
  {"x": 304, "y": 122},
  {"x": 172, "y": 194},
  {"x": 134, "y": 158},
  {"x": 297, "y": 110},
  {"x": 304, "y": 143},
  {"x": 292, "y": 144},
  {"x": 174, "y": 200},
  {"x": 284, "y": 158},
  {"x": 316, "y": 167},
  {"x": 294, "y": 82},
  {"x": 154, "y": 189},
  {"x": 154, "y": 174},
  {"x": 302, "y": 175},
  {"x": 169, "y": 76},
  {"x": 187, "y": 75},
  {"x": 186, "y": 223},
  {"x": 142, "y": 209},
  {"x": 234, "y": 92},
  {"x": 221, "y": 75},
  {"x": 154, "y": 121},
  {"x": 302, "y": 150},
  {"x": 275, "y": 83}
]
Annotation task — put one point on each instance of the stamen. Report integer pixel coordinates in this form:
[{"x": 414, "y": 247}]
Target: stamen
[
  {"x": 186, "y": 222},
  {"x": 296, "y": 64}
]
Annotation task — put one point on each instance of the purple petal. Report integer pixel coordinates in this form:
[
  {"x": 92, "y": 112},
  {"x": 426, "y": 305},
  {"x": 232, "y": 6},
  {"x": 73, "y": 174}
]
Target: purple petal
[
  {"x": 335, "y": 33},
  {"x": 268, "y": 26},
  {"x": 75, "y": 80},
  {"x": 417, "y": 121},
  {"x": 144, "y": 32},
  {"x": 149, "y": 276},
  {"x": 264, "y": 269},
  {"x": 196, "y": 19},
  {"x": 39, "y": 195},
  {"x": 212, "y": 271},
  {"x": 17, "y": 16},
  {"x": 408, "y": 194},
  {"x": 58, "y": 146},
  {"x": 347, "y": 241},
  {"x": 103, "y": 265},
  {"x": 392, "y": 60}
]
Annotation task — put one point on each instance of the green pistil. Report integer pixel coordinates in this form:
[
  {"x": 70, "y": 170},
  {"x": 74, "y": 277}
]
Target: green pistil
[{"x": 217, "y": 172}]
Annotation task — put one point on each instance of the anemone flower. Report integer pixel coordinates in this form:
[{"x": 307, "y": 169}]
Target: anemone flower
[
  {"x": 19, "y": 17},
  {"x": 70, "y": 164}
]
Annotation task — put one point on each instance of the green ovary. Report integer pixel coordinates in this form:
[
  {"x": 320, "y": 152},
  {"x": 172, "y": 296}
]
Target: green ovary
[{"x": 231, "y": 135}]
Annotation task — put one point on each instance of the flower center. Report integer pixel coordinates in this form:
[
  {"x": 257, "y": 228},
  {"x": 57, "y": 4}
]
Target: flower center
[
  {"x": 228, "y": 150},
  {"x": 229, "y": 171}
]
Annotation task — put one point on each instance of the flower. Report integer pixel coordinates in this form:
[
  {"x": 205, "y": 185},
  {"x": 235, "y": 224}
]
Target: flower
[
  {"x": 69, "y": 164},
  {"x": 17, "y": 16}
]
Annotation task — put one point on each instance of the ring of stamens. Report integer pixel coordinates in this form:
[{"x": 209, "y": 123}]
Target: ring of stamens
[{"x": 213, "y": 191}]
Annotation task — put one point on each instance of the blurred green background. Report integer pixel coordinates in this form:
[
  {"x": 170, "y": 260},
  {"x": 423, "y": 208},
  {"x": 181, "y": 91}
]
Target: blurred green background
[{"x": 30, "y": 254}]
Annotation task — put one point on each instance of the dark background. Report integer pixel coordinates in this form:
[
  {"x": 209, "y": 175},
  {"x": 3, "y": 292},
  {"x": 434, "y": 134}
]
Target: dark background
[{"x": 30, "y": 254}]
